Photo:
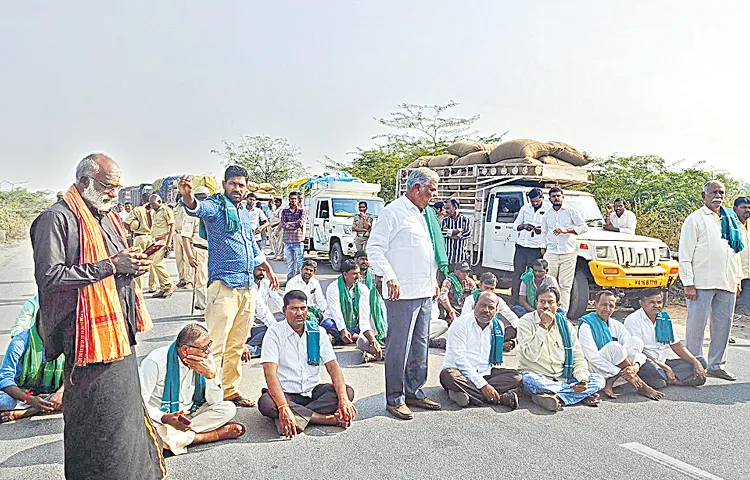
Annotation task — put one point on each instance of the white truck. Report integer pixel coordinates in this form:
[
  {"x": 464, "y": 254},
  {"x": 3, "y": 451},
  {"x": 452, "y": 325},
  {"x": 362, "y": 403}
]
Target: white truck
[
  {"x": 491, "y": 196},
  {"x": 331, "y": 208}
]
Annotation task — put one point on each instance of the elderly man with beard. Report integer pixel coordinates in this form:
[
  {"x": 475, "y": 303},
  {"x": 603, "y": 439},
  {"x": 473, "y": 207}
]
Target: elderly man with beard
[
  {"x": 91, "y": 307},
  {"x": 711, "y": 271},
  {"x": 472, "y": 370}
]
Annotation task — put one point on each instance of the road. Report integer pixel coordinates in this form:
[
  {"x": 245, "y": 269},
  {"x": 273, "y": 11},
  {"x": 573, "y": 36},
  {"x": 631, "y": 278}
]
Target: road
[{"x": 692, "y": 433}]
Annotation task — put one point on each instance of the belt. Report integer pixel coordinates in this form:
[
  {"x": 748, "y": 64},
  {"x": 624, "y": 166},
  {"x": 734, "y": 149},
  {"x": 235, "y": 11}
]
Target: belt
[
  {"x": 201, "y": 247},
  {"x": 140, "y": 234}
]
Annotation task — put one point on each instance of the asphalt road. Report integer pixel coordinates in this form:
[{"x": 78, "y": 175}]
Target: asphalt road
[{"x": 703, "y": 428}]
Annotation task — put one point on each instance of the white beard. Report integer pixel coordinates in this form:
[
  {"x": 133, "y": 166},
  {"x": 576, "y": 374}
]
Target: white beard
[{"x": 100, "y": 201}]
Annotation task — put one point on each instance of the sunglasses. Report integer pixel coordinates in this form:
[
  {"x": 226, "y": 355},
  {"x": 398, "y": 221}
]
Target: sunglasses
[{"x": 107, "y": 187}]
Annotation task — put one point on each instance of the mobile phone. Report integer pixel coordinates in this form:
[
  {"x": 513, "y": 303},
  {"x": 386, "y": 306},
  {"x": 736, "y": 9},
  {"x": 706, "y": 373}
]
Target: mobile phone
[
  {"x": 153, "y": 248},
  {"x": 183, "y": 419}
]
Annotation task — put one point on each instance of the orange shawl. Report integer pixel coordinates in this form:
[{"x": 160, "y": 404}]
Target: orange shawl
[{"x": 101, "y": 332}]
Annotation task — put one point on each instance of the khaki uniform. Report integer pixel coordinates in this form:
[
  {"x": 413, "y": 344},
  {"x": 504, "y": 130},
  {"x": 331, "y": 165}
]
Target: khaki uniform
[
  {"x": 360, "y": 240},
  {"x": 199, "y": 248},
  {"x": 161, "y": 223},
  {"x": 139, "y": 222},
  {"x": 183, "y": 267}
]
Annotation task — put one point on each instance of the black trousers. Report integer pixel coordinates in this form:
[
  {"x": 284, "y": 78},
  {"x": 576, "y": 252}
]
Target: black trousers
[
  {"x": 323, "y": 401},
  {"x": 522, "y": 259},
  {"x": 651, "y": 373},
  {"x": 502, "y": 379}
]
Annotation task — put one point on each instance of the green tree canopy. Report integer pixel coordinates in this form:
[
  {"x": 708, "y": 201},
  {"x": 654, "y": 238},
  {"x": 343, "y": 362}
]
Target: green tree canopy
[{"x": 267, "y": 160}]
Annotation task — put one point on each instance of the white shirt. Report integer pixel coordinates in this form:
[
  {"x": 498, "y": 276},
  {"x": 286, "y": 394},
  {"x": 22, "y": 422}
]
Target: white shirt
[
  {"x": 266, "y": 293},
  {"x": 123, "y": 215},
  {"x": 468, "y": 349},
  {"x": 591, "y": 351},
  {"x": 282, "y": 346},
  {"x": 640, "y": 326},
  {"x": 334, "y": 306},
  {"x": 626, "y": 223},
  {"x": 565, "y": 218},
  {"x": 745, "y": 253},
  {"x": 528, "y": 216},
  {"x": 190, "y": 228},
  {"x": 313, "y": 290},
  {"x": 400, "y": 248},
  {"x": 504, "y": 313},
  {"x": 256, "y": 215},
  {"x": 153, "y": 372},
  {"x": 706, "y": 260}
]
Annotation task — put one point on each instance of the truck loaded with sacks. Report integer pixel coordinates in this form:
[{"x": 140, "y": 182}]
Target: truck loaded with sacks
[{"x": 491, "y": 183}]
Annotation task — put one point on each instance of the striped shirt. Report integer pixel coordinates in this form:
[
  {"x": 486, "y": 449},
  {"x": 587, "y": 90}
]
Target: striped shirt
[{"x": 456, "y": 247}]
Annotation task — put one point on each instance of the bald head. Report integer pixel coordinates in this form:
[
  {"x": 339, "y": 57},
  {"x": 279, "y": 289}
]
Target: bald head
[
  {"x": 98, "y": 180},
  {"x": 155, "y": 201},
  {"x": 486, "y": 307}
]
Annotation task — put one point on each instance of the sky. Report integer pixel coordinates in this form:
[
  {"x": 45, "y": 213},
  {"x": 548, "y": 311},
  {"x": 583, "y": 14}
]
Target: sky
[{"x": 158, "y": 85}]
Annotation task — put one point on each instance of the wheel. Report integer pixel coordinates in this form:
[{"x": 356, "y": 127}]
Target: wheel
[
  {"x": 579, "y": 296},
  {"x": 337, "y": 256}
]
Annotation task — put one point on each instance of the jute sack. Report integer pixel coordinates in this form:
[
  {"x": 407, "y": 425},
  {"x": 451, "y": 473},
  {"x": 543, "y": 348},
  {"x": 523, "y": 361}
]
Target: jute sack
[
  {"x": 520, "y": 161},
  {"x": 476, "y": 158},
  {"x": 519, "y": 149},
  {"x": 252, "y": 186},
  {"x": 266, "y": 187},
  {"x": 550, "y": 160},
  {"x": 565, "y": 152},
  {"x": 444, "y": 160},
  {"x": 420, "y": 162},
  {"x": 462, "y": 149}
]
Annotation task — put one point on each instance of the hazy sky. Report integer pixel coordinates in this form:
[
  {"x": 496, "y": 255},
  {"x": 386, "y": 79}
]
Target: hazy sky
[{"x": 157, "y": 85}]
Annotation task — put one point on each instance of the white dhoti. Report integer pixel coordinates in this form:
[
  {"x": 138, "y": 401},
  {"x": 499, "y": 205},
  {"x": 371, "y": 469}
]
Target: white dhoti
[
  {"x": 616, "y": 353},
  {"x": 205, "y": 419}
]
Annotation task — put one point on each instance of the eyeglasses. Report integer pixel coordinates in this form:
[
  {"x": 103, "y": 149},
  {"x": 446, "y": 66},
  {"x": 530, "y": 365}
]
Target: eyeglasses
[
  {"x": 107, "y": 187},
  {"x": 205, "y": 349}
]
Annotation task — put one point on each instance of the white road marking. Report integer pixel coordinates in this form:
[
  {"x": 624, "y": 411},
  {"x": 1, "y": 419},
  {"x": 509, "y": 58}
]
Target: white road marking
[{"x": 664, "y": 459}]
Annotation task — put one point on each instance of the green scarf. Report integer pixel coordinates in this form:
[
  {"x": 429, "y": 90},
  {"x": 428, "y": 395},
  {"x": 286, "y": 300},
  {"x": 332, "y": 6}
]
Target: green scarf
[
  {"x": 312, "y": 330},
  {"x": 231, "y": 216},
  {"x": 599, "y": 329},
  {"x": 438, "y": 241},
  {"x": 376, "y": 312},
  {"x": 314, "y": 314},
  {"x": 528, "y": 279},
  {"x": 170, "y": 399},
  {"x": 497, "y": 338},
  {"x": 458, "y": 288},
  {"x": 663, "y": 327},
  {"x": 349, "y": 308},
  {"x": 37, "y": 375},
  {"x": 730, "y": 229},
  {"x": 476, "y": 294},
  {"x": 567, "y": 338}
]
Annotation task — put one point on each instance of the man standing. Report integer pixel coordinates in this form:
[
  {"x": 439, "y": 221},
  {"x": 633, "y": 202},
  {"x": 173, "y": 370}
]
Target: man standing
[
  {"x": 711, "y": 270},
  {"x": 232, "y": 257},
  {"x": 619, "y": 219},
  {"x": 182, "y": 393},
  {"x": 560, "y": 225},
  {"x": 473, "y": 356},
  {"x": 362, "y": 225},
  {"x": 456, "y": 229},
  {"x": 293, "y": 227},
  {"x": 530, "y": 239},
  {"x": 257, "y": 217},
  {"x": 293, "y": 351},
  {"x": 611, "y": 351},
  {"x": 348, "y": 302},
  {"x": 183, "y": 266},
  {"x": 456, "y": 287},
  {"x": 139, "y": 224},
  {"x": 306, "y": 282},
  {"x": 406, "y": 249},
  {"x": 162, "y": 229},
  {"x": 195, "y": 248},
  {"x": 742, "y": 210},
  {"x": 275, "y": 227},
  {"x": 90, "y": 309}
]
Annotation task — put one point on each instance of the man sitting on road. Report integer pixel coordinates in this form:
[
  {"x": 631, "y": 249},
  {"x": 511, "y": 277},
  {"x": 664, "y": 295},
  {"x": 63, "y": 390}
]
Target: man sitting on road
[
  {"x": 372, "y": 340},
  {"x": 293, "y": 351},
  {"x": 307, "y": 283},
  {"x": 653, "y": 326},
  {"x": 611, "y": 351},
  {"x": 263, "y": 317},
  {"x": 28, "y": 384},
  {"x": 488, "y": 283},
  {"x": 183, "y": 395},
  {"x": 27, "y": 317},
  {"x": 473, "y": 356},
  {"x": 456, "y": 287},
  {"x": 554, "y": 368},
  {"x": 532, "y": 280},
  {"x": 348, "y": 301}
]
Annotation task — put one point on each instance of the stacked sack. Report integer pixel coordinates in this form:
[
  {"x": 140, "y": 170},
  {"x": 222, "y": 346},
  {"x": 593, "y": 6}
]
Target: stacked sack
[{"x": 525, "y": 152}]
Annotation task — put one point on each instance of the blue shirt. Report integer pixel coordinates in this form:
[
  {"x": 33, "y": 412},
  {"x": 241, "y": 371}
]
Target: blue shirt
[
  {"x": 11, "y": 367},
  {"x": 232, "y": 256}
]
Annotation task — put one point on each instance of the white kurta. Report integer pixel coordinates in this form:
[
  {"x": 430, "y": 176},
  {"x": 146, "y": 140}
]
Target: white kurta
[
  {"x": 334, "y": 306},
  {"x": 312, "y": 289},
  {"x": 604, "y": 361}
]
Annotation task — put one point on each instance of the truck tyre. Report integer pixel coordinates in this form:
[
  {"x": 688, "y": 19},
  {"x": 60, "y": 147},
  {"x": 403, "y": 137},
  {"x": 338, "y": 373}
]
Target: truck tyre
[
  {"x": 337, "y": 256},
  {"x": 579, "y": 296}
]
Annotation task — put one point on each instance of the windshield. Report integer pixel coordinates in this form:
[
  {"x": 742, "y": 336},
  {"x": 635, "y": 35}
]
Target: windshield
[
  {"x": 349, "y": 207},
  {"x": 587, "y": 207}
]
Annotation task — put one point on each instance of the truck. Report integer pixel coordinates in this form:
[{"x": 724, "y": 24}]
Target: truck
[
  {"x": 133, "y": 194},
  {"x": 491, "y": 196},
  {"x": 332, "y": 206}
]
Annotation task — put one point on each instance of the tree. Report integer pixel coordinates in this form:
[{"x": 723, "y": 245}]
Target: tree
[
  {"x": 18, "y": 208},
  {"x": 267, "y": 160}
]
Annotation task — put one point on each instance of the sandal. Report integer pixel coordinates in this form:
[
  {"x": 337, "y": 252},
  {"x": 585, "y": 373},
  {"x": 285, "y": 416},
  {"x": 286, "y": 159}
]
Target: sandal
[
  {"x": 225, "y": 432},
  {"x": 591, "y": 401},
  {"x": 241, "y": 401}
]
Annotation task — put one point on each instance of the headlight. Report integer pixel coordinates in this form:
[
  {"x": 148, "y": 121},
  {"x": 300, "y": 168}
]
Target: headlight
[
  {"x": 347, "y": 230},
  {"x": 602, "y": 252},
  {"x": 664, "y": 253}
]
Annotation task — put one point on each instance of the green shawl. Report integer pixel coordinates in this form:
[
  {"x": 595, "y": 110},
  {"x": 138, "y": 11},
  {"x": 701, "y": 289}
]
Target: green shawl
[
  {"x": 37, "y": 375},
  {"x": 730, "y": 229},
  {"x": 349, "y": 307},
  {"x": 438, "y": 241},
  {"x": 528, "y": 279},
  {"x": 458, "y": 288},
  {"x": 376, "y": 312},
  {"x": 231, "y": 216},
  {"x": 170, "y": 399}
]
